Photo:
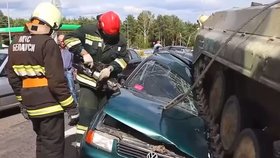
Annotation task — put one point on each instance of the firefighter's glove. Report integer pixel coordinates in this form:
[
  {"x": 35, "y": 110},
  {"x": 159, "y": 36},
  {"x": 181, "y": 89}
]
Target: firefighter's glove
[
  {"x": 73, "y": 115},
  {"x": 87, "y": 58},
  {"x": 24, "y": 113},
  {"x": 105, "y": 73}
]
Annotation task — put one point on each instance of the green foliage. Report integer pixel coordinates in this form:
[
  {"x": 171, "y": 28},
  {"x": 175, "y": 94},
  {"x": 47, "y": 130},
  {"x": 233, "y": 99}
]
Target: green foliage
[
  {"x": 3, "y": 20},
  {"x": 80, "y": 20},
  {"x": 129, "y": 28},
  {"x": 18, "y": 22},
  {"x": 140, "y": 31},
  {"x": 145, "y": 22}
]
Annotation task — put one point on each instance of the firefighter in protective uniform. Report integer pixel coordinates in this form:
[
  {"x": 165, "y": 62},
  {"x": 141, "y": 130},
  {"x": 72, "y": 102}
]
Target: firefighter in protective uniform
[
  {"x": 95, "y": 44},
  {"x": 35, "y": 72}
]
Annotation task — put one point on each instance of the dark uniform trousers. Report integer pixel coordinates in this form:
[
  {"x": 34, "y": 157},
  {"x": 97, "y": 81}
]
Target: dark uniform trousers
[
  {"x": 50, "y": 136},
  {"x": 90, "y": 101}
]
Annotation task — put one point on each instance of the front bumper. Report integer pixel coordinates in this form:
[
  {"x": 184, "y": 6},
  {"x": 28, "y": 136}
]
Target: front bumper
[
  {"x": 129, "y": 143},
  {"x": 123, "y": 149},
  {"x": 89, "y": 151}
]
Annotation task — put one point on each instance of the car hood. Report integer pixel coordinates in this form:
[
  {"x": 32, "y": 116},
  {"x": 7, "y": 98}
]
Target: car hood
[{"x": 174, "y": 126}]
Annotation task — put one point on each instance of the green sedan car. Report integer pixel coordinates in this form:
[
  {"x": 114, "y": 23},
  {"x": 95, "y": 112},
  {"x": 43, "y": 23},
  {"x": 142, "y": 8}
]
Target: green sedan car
[{"x": 136, "y": 123}]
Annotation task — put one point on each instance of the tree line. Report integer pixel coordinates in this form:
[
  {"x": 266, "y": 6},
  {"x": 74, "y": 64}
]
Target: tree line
[{"x": 140, "y": 31}]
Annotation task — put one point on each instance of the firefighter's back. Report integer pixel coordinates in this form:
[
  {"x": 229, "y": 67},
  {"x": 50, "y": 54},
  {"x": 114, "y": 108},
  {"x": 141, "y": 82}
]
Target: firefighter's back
[{"x": 27, "y": 56}]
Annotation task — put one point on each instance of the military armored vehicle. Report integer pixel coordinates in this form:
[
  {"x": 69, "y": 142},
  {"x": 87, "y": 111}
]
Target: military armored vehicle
[{"x": 239, "y": 95}]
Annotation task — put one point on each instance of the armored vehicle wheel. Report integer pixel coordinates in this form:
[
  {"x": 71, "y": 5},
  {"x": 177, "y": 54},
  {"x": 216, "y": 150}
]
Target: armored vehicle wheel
[
  {"x": 253, "y": 144},
  {"x": 217, "y": 94},
  {"x": 231, "y": 122},
  {"x": 201, "y": 93}
]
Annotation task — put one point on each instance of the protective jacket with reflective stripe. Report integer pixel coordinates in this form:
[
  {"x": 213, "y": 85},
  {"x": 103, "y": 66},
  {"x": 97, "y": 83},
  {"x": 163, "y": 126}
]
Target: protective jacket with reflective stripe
[
  {"x": 31, "y": 59},
  {"x": 111, "y": 51}
]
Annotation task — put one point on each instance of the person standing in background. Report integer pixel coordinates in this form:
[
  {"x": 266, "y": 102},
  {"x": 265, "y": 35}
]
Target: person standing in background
[
  {"x": 157, "y": 46},
  {"x": 67, "y": 58}
]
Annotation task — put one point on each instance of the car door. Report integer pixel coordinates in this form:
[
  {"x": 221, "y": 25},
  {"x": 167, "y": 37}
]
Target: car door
[{"x": 7, "y": 97}]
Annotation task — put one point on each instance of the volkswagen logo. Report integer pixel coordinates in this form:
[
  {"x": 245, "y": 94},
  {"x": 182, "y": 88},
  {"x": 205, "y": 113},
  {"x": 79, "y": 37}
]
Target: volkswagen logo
[{"x": 152, "y": 155}]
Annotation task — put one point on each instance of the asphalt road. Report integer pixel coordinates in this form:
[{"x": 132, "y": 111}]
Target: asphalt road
[{"x": 17, "y": 139}]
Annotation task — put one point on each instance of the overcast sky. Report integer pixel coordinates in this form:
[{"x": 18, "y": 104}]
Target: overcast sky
[{"x": 187, "y": 10}]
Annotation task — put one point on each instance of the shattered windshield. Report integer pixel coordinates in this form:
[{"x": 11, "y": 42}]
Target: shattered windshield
[{"x": 158, "y": 82}]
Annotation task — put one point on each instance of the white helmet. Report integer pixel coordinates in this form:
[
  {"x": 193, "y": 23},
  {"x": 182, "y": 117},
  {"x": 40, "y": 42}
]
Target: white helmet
[
  {"x": 202, "y": 18},
  {"x": 49, "y": 14}
]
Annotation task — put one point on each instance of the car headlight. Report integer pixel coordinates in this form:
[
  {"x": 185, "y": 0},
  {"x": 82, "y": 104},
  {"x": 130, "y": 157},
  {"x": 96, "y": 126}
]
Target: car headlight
[{"x": 100, "y": 140}]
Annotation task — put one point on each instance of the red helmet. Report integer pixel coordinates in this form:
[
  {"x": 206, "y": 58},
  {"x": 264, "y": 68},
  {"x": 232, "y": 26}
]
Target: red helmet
[{"x": 109, "y": 23}]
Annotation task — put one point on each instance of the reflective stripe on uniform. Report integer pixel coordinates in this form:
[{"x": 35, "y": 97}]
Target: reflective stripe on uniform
[
  {"x": 93, "y": 38},
  {"x": 67, "y": 101},
  {"x": 121, "y": 62},
  {"x": 89, "y": 42},
  {"x": 29, "y": 70},
  {"x": 72, "y": 42},
  {"x": 81, "y": 128},
  {"x": 80, "y": 131},
  {"x": 45, "y": 111},
  {"x": 86, "y": 80},
  {"x": 34, "y": 82},
  {"x": 19, "y": 98},
  {"x": 90, "y": 39},
  {"x": 19, "y": 70},
  {"x": 39, "y": 69}
]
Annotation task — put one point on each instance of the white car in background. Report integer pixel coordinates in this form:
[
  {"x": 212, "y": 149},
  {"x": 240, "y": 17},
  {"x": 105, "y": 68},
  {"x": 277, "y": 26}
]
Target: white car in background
[{"x": 7, "y": 97}]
